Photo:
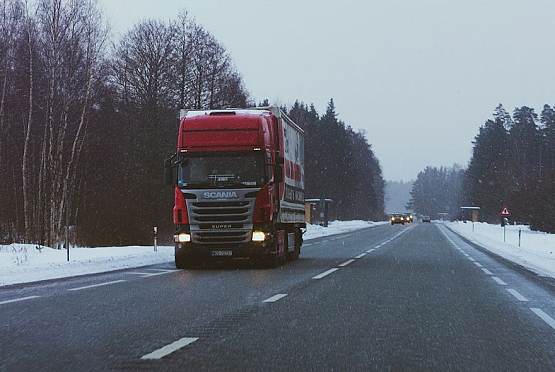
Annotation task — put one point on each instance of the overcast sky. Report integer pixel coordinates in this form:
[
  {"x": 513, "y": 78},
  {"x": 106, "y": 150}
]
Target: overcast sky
[{"x": 419, "y": 76}]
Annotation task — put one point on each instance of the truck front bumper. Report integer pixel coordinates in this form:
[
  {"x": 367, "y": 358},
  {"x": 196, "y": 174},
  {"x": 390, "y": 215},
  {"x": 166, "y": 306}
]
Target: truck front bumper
[{"x": 222, "y": 252}]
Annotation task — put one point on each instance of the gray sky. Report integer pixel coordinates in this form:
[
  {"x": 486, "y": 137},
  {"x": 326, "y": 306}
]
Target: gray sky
[{"x": 419, "y": 76}]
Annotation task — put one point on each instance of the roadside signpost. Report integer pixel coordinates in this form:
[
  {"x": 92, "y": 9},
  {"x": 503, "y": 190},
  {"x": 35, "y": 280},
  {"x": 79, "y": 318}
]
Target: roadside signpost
[{"x": 505, "y": 212}]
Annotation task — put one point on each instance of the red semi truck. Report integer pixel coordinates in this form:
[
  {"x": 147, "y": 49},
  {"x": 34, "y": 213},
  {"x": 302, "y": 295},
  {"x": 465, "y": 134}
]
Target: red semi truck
[{"x": 239, "y": 186}]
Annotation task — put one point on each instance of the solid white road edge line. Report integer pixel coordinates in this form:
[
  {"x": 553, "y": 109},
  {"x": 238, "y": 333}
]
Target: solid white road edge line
[
  {"x": 18, "y": 299},
  {"x": 96, "y": 285},
  {"x": 275, "y": 298},
  {"x": 546, "y": 318},
  {"x": 155, "y": 274},
  {"x": 168, "y": 349},
  {"x": 165, "y": 270},
  {"x": 361, "y": 255},
  {"x": 498, "y": 281},
  {"x": 487, "y": 271},
  {"x": 325, "y": 273},
  {"x": 517, "y": 295},
  {"x": 347, "y": 263}
]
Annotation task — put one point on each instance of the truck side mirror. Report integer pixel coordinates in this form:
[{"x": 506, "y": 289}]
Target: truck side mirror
[{"x": 168, "y": 172}]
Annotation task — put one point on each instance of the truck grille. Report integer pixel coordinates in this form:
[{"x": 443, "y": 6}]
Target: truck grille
[{"x": 221, "y": 222}]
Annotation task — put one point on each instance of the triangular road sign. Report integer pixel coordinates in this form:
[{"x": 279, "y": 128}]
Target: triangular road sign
[{"x": 505, "y": 211}]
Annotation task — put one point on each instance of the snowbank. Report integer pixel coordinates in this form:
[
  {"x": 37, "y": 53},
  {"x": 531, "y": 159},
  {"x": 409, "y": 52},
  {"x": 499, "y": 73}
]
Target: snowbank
[
  {"x": 338, "y": 227},
  {"x": 536, "y": 251},
  {"x": 23, "y": 263}
]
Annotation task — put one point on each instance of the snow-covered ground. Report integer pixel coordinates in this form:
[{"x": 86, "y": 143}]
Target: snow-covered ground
[
  {"x": 338, "y": 227},
  {"x": 23, "y": 263},
  {"x": 536, "y": 251}
]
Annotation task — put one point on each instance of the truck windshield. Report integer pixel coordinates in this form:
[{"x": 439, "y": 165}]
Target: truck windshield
[{"x": 222, "y": 170}]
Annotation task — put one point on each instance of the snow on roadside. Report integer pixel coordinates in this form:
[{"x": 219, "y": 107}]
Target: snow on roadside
[
  {"x": 23, "y": 263},
  {"x": 338, "y": 227},
  {"x": 537, "y": 250}
]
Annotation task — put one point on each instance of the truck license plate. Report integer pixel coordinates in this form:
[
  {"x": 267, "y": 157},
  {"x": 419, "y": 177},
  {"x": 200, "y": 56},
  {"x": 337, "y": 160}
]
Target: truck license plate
[{"x": 222, "y": 253}]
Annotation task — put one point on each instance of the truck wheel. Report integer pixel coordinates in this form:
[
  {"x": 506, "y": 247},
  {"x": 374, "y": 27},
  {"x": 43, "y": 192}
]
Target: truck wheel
[
  {"x": 298, "y": 243},
  {"x": 289, "y": 256},
  {"x": 270, "y": 261}
]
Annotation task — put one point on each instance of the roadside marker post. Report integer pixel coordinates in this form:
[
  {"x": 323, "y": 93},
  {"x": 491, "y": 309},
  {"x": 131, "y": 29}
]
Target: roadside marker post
[
  {"x": 67, "y": 222},
  {"x": 155, "y": 236},
  {"x": 519, "y": 234}
]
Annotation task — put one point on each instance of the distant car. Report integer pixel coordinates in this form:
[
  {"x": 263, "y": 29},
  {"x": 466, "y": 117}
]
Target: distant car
[
  {"x": 426, "y": 219},
  {"x": 397, "y": 218},
  {"x": 408, "y": 217}
]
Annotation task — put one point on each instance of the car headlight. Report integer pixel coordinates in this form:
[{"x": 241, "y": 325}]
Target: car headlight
[
  {"x": 182, "y": 238},
  {"x": 258, "y": 236}
]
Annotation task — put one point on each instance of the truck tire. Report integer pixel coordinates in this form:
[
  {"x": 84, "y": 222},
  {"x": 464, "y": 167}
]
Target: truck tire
[
  {"x": 298, "y": 243},
  {"x": 289, "y": 256},
  {"x": 271, "y": 260}
]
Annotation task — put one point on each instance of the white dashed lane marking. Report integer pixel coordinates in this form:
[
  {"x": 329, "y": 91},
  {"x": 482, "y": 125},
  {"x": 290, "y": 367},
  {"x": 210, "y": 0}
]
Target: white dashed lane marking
[
  {"x": 517, "y": 295},
  {"x": 18, "y": 299},
  {"x": 361, "y": 255},
  {"x": 487, "y": 271},
  {"x": 346, "y": 263},
  {"x": 325, "y": 273},
  {"x": 275, "y": 298},
  {"x": 370, "y": 250},
  {"x": 96, "y": 285},
  {"x": 478, "y": 264},
  {"x": 498, "y": 281},
  {"x": 546, "y": 318},
  {"x": 168, "y": 349}
]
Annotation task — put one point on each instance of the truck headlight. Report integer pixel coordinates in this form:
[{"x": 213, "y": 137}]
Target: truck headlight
[
  {"x": 182, "y": 238},
  {"x": 258, "y": 236}
]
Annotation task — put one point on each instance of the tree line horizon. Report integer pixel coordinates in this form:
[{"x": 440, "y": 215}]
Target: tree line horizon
[{"x": 512, "y": 163}]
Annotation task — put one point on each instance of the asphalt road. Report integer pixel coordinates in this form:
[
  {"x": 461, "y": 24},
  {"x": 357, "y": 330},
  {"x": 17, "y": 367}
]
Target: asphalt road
[{"x": 387, "y": 298}]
